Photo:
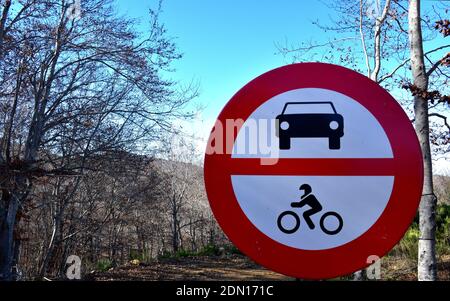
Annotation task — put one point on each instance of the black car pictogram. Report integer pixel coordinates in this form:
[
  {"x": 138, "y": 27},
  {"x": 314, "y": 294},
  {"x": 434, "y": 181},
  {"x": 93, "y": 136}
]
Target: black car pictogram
[{"x": 309, "y": 125}]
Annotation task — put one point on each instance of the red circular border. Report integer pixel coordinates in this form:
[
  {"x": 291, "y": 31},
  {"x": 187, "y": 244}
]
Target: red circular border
[{"x": 387, "y": 230}]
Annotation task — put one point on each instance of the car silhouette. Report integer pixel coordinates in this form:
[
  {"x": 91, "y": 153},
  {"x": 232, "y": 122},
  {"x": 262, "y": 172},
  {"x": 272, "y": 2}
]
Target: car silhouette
[{"x": 310, "y": 124}]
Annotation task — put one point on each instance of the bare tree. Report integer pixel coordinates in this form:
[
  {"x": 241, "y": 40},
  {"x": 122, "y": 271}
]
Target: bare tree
[
  {"x": 80, "y": 88},
  {"x": 183, "y": 187}
]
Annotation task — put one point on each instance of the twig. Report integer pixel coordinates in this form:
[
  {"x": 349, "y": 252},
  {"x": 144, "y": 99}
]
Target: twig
[{"x": 444, "y": 118}]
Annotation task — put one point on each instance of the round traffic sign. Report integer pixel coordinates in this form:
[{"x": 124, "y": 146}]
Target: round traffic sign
[{"x": 313, "y": 169}]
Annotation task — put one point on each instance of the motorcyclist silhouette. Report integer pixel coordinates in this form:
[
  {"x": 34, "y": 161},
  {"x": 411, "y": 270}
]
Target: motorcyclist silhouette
[{"x": 308, "y": 199}]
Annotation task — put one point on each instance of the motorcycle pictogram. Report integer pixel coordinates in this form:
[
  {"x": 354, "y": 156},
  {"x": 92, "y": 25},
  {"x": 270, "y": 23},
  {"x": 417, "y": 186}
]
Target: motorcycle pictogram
[{"x": 309, "y": 199}]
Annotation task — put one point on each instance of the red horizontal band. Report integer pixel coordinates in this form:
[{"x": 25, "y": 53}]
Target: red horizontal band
[{"x": 306, "y": 166}]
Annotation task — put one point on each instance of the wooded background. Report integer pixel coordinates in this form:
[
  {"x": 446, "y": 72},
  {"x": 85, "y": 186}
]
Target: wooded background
[{"x": 92, "y": 164}]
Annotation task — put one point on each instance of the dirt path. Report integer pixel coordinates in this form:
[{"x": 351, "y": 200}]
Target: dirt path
[
  {"x": 237, "y": 267},
  {"x": 233, "y": 267}
]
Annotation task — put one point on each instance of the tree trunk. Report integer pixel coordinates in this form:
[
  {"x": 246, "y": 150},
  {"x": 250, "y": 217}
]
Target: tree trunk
[
  {"x": 426, "y": 267},
  {"x": 50, "y": 251},
  {"x": 377, "y": 37},
  {"x": 175, "y": 237},
  {"x": 361, "y": 275},
  {"x": 3, "y": 18},
  {"x": 8, "y": 210},
  {"x": 57, "y": 233},
  {"x": 9, "y": 203},
  {"x": 16, "y": 273}
]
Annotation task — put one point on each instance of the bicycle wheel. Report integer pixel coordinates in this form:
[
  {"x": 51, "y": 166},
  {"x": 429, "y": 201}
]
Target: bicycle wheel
[
  {"x": 340, "y": 223},
  {"x": 287, "y": 230}
]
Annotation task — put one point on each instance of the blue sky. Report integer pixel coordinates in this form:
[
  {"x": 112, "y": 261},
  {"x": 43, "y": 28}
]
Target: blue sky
[{"x": 227, "y": 43}]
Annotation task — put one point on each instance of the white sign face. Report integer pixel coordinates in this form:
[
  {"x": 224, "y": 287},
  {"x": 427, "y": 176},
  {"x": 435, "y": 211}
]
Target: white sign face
[
  {"x": 264, "y": 198},
  {"x": 363, "y": 135},
  {"x": 312, "y": 212}
]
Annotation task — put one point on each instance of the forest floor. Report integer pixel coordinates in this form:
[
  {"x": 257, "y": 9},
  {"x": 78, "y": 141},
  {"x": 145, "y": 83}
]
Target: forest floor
[{"x": 238, "y": 267}]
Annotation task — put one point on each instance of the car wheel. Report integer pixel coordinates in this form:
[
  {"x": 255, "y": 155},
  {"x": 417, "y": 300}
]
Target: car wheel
[
  {"x": 334, "y": 143},
  {"x": 285, "y": 143}
]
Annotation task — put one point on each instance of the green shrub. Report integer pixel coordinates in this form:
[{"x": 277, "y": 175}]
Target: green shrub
[
  {"x": 408, "y": 245},
  {"x": 232, "y": 249},
  {"x": 443, "y": 229},
  {"x": 134, "y": 254},
  {"x": 209, "y": 250},
  {"x": 184, "y": 253},
  {"x": 443, "y": 220},
  {"x": 142, "y": 256},
  {"x": 442, "y": 215},
  {"x": 104, "y": 264},
  {"x": 165, "y": 255}
]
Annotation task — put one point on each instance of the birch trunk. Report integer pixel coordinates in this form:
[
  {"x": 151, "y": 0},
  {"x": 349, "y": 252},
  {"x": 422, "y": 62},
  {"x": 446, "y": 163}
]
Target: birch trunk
[
  {"x": 361, "y": 275},
  {"x": 426, "y": 267},
  {"x": 377, "y": 45}
]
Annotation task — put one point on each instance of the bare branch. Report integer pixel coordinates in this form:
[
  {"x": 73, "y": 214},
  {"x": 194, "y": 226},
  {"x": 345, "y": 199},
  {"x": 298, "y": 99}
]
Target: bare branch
[
  {"x": 389, "y": 75},
  {"x": 286, "y": 49},
  {"x": 442, "y": 117},
  {"x": 437, "y": 64},
  {"x": 363, "y": 41},
  {"x": 437, "y": 49}
]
